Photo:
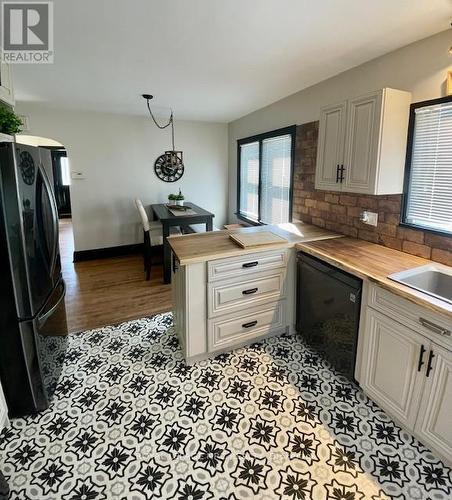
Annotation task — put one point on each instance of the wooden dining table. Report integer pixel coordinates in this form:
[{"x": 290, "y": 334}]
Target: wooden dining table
[{"x": 194, "y": 215}]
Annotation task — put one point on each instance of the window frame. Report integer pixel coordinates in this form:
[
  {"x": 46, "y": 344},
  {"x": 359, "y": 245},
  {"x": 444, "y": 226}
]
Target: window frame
[
  {"x": 408, "y": 159},
  {"x": 290, "y": 130}
]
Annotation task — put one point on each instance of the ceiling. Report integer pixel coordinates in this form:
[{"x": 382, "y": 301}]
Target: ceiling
[{"x": 214, "y": 60}]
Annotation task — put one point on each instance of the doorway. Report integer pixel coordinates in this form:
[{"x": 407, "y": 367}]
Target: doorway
[
  {"x": 58, "y": 173},
  {"x": 61, "y": 182}
]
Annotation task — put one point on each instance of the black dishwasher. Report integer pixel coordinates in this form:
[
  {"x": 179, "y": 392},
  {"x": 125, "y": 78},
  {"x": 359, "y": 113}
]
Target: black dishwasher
[{"x": 328, "y": 308}]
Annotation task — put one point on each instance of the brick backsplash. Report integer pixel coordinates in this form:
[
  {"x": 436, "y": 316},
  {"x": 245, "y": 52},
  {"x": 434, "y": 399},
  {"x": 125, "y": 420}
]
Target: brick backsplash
[{"x": 340, "y": 212}]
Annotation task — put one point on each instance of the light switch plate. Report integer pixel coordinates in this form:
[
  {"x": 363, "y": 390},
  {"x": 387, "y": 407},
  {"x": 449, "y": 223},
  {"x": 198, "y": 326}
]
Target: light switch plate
[{"x": 77, "y": 176}]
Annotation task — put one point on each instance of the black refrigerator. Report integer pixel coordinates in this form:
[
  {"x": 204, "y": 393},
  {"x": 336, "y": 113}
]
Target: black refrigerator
[{"x": 32, "y": 289}]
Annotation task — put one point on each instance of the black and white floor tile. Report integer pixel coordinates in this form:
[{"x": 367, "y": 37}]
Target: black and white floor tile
[{"x": 130, "y": 420}]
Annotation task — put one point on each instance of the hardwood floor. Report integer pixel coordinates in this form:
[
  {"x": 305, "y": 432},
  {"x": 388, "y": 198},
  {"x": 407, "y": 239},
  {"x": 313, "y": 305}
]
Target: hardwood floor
[{"x": 107, "y": 291}]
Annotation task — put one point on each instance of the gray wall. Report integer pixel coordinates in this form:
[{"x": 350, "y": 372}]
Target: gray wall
[{"x": 420, "y": 68}]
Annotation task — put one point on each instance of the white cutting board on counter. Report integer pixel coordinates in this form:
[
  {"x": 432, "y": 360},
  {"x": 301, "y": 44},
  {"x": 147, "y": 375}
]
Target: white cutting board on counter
[{"x": 249, "y": 240}]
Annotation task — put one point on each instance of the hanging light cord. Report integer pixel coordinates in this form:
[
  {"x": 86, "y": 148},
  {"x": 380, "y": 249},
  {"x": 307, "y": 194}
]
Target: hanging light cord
[{"x": 161, "y": 127}]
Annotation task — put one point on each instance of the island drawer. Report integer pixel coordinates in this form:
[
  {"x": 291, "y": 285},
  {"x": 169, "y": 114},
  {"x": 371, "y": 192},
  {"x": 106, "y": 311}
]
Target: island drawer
[
  {"x": 237, "y": 329},
  {"x": 232, "y": 267},
  {"x": 233, "y": 295}
]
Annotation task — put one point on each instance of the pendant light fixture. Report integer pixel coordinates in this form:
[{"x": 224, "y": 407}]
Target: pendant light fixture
[{"x": 169, "y": 167}]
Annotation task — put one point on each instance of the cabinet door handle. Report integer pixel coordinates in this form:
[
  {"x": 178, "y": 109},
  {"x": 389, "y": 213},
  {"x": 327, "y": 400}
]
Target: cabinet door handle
[
  {"x": 429, "y": 363},
  {"x": 342, "y": 173},
  {"x": 420, "y": 363},
  {"x": 250, "y": 291},
  {"x": 250, "y": 324},
  {"x": 337, "y": 172},
  {"x": 250, "y": 264},
  {"x": 434, "y": 328}
]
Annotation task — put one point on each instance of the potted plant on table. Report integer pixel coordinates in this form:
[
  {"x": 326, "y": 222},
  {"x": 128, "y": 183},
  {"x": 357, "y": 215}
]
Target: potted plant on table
[
  {"x": 180, "y": 199},
  {"x": 172, "y": 199}
]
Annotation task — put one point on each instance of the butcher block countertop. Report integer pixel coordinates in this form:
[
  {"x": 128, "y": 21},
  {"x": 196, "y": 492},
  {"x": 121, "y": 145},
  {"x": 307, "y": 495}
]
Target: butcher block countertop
[
  {"x": 374, "y": 262},
  {"x": 201, "y": 247}
]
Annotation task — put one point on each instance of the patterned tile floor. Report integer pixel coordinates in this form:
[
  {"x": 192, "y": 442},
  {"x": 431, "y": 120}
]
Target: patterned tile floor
[{"x": 131, "y": 421}]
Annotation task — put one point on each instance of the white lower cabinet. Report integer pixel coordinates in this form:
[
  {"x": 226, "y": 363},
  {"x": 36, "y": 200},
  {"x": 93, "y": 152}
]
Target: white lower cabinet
[
  {"x": 392, "y": 376},
  {"x": 407, "y": 373},
  {"x": 226, "y": 303},
  {"x": 190, "y": 308},
  {"x": 434, "y": 422}
]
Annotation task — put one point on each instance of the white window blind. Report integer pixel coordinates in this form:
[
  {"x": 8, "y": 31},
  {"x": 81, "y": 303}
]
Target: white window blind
[
  {"x": 249, "y": 180},
  {"x": 275, "y": 179},
  {"x": 429, "y": 197}
]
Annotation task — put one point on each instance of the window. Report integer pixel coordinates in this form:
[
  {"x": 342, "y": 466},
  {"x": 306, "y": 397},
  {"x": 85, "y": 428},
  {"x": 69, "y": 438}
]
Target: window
[
  {"x": 428, "y": 171},
  {"x": 265, "y": 177},
  {"x": 65, "y": 172}
]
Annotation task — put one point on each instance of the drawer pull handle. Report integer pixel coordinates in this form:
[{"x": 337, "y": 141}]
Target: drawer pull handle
[
  {"x": 429, "y": 363},
  {"x": 250, "y": 264},
  {"x": 250, "y": 291},
  {"x": 434, "y": 328},
  {"x": 250, "y": 324},
  {"x": 420, "y": 363}
]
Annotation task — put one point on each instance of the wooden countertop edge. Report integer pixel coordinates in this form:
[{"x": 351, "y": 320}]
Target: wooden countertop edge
[
  {"x": 232, "y": 253},
  {"x": 235, "y": 252},
  {"x": 392, "y": 286}
]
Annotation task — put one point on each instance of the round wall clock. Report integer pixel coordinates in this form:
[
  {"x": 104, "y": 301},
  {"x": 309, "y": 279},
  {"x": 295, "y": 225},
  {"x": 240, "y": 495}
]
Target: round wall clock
[
  {"x": 27, "y": 167},
  {"x": 166, "y": 171}
]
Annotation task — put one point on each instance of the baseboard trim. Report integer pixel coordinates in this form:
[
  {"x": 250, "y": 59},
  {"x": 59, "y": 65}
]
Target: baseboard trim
[{"x": 105, "y": 253}]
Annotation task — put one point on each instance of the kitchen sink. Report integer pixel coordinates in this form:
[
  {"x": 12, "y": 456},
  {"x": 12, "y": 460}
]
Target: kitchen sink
[{"x": 435, "y": 280}]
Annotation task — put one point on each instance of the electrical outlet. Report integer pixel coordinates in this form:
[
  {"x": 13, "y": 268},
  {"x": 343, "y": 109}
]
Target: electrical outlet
[{"x": 370, "y": 218}]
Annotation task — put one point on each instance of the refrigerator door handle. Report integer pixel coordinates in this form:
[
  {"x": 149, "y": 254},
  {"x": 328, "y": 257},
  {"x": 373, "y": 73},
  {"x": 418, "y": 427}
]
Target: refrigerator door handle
[
  {"x": 54, "y": 217},
  {"x": 42, "y": 319}
]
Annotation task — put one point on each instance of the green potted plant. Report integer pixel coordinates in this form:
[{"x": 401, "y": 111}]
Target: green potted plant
[
  {"x": 172, "y": 198},
  {"x": 10, "y": 123},
  {"x": 180, "y": 199}
]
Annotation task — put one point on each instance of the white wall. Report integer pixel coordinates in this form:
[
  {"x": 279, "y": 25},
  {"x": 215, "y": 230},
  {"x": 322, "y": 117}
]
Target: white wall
[
  {"x": 116, "y": 154},
  {"x": 420, "y": 68}
]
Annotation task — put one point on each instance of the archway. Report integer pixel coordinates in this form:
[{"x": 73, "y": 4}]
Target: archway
[
  {"x": 58, "y": 171},
  {"x": 59, "y": 174}
]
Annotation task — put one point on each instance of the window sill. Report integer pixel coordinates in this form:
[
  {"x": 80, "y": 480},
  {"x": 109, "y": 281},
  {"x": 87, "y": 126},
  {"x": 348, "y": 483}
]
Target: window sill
[
  {"x": 251, "y": 222},
  {"x": 426, "y": 229}
]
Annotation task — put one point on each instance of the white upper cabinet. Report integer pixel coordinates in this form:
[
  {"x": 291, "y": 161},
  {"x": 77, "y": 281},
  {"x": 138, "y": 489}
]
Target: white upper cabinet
[
  {"x": 331, "y": 146},
  {"x": 362, "y": 143},
  {"x": 361, "y": 155},
  {"x": 6, "y": 84}
]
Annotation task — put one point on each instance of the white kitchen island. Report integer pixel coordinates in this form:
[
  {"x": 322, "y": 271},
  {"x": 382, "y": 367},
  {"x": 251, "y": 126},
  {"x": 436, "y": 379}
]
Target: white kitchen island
[{"x": 225, "y": 296}]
